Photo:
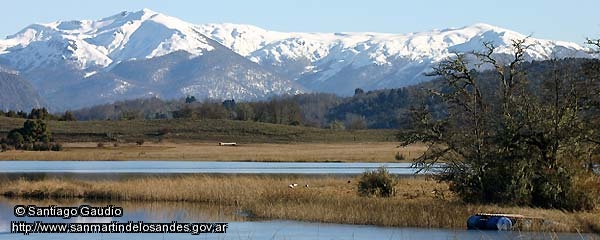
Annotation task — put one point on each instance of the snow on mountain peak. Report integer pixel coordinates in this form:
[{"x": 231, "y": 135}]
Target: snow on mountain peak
[
  {"x": 146, "y": 53},
  {"x": 359, "y": 49},
  {"x": 124, "y": 36},
  {"x": 484, "y": 27},
  {"x": 146, "y": 34},
  {"x": 318, "y": 58},
  {"x": 328, "y": 53}
]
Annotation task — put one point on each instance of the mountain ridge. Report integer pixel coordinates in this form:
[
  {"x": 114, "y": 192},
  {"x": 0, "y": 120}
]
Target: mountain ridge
[
  {"x": 329, "y": 53},
  {"x": 61, "y": 56},
  {"x": 69, "y": 60}
]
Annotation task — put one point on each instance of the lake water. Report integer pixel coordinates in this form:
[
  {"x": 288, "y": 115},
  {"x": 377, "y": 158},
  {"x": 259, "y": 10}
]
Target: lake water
[
  {"x": 241, "y": 228},
  {"x": 175, "y": 167}
]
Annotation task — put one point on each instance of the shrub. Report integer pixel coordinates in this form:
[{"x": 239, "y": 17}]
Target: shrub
[
  {"x": 56, "y": 147},
  {"x": 41, "y": 146},
  {"x": 4, "y": 147},
  {"x": 33, "y": 136},
  {"x": 26, "y": 147},
  {"x": 399, "y": 156},
  {"x": 140, "y": 142},
  {"x": 585, "y": 193},
  {"x": 378, "y": 183}
]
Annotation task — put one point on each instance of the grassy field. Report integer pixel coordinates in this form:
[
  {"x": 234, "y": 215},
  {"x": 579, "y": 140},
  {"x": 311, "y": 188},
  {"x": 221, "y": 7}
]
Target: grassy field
[
  {"x": 293, "y": 152},
  {"x": 418, "y": 203},
  {"x": 178, "y": 130},
  {"x": 197, "y": 140}
]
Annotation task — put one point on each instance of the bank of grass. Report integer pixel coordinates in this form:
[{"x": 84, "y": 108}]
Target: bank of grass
[
  {"x": 186, "y": 130},
  {"x": 418, "y": 203},
  {"x": 189, "y": 211},
  {"x": 265, "y": 152}
]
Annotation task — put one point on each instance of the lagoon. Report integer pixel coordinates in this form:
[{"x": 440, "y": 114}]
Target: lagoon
[
  {"x": 176, "y": 167},
  {"x": 241, "y": 227}
]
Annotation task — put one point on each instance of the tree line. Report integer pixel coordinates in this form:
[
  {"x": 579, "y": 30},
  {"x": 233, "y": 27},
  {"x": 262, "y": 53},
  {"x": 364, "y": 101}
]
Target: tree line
[{"x": 39, "y": 113}]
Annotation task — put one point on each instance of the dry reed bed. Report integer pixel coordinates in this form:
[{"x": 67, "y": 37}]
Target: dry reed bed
[
  {"x": 418, "y": 203},
  {"x": 190, "y": 211},
  {"x": 299, "y": 152}
]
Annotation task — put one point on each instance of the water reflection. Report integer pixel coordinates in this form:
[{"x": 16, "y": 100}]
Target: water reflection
[
  {"x": 177, "y": 167},
  {"x": 239, "y": 226}
]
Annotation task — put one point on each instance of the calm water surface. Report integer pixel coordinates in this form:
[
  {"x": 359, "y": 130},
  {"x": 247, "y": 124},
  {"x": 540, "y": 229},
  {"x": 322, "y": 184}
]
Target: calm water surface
[
  {"x": 241, "y": 228},
  {"x": 197, "y": 167}
]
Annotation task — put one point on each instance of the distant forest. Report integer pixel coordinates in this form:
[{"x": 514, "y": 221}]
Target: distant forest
[
  {"x": 373, "y": 109},
  {"x": 388, "y": 108}
]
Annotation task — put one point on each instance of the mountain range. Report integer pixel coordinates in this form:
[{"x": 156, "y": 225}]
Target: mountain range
[{"x": 74, "y": 64}]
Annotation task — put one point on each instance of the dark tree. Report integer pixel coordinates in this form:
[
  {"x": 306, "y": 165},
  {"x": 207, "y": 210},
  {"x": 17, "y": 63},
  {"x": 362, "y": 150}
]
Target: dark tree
[
  {"x": 11, "y": 114},
  {"x": 34, "y": 135},
  {"x": 244, "y": 112},
  {"x": 229, "y": 104},
  {"x": 67, "y": 116},
  {"x": 359, "y": 91},
  {"x": 506, "y": 140},
  {"x": 212, "y": 110},
  {"x": 35, "y": 131},
  {"x": 15, "y": 138},
  {"x": 185, "y": 112},
  {"x": 21, "y": 114},
  {"x": 190, "y": 99},
  {"x": 38, "y": 113}
]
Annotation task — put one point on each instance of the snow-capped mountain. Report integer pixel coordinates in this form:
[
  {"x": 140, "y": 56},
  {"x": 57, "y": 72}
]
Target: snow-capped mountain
[
  {"x": 144, "y": 53},
  {"x": 92, "y": 44},
  {"x": 341, "y": 62},
  {"x": 131, "y": 55}
]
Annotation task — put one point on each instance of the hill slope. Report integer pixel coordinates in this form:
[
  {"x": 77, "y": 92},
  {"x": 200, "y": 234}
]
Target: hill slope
[{"x": 17, "y": 94}]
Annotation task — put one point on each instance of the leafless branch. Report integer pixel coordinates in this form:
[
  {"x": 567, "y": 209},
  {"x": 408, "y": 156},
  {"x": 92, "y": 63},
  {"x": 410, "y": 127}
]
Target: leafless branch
[{"x": 595, "y": 42}]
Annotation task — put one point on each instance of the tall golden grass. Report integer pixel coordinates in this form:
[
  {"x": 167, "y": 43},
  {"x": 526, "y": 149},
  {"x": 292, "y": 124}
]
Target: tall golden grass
[
  {"x": 190, "y": 211},
  {"x": 303, "y": 152},
  {"x": 418, "y": 203}
]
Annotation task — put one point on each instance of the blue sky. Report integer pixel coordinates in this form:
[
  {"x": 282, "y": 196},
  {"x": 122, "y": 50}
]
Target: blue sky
[{"x": 550, "y": 19}]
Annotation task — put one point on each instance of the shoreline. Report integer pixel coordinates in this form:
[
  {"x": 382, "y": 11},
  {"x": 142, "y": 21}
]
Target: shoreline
[{"x": 419, "y": 202}]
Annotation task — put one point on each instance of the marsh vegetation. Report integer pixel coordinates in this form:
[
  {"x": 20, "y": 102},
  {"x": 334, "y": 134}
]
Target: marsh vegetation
[{"x": 418, "y": 202}]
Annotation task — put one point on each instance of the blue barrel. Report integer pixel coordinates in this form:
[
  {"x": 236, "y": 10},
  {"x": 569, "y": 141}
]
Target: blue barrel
[
  {"x": 489, "y": 223},
  {"x": 499, "y": 223},
  {"x": 475, "y": 222}
]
